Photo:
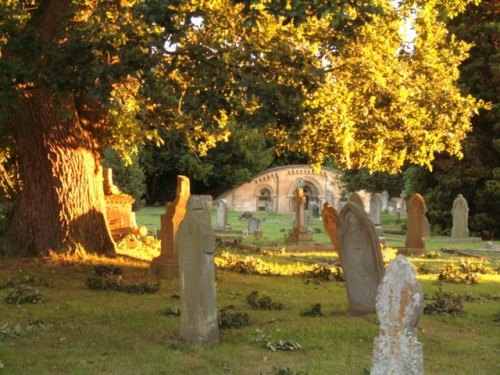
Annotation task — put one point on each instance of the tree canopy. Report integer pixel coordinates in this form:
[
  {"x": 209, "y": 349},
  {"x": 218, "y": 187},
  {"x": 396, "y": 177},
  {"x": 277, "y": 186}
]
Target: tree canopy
[{"x": 336, "y": 81}]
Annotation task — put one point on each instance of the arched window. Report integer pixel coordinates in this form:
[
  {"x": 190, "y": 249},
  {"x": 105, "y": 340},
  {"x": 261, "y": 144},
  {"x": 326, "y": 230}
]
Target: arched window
[{"x": 263, "y": 199}]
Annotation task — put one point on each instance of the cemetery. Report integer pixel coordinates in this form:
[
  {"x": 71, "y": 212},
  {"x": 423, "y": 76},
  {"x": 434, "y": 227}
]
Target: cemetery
[
  {"x": 249, "y": 187},
  {"x": 314, "y": 315}
]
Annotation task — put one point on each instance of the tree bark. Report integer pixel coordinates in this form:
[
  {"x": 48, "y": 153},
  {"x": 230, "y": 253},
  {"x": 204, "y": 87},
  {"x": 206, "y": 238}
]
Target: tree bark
[{"x": 61, "y": 205}]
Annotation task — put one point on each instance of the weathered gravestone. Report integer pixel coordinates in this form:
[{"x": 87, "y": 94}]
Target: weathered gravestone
[
  {"x": 168, "y": 260},
  {"x": 415, "y": 244},
  {"x": 330, "y": 218},
  {"x": 361, "y": 258},
  {"x": 400, "y": 303},
  {"x": 222, "y": 215},
  {"x": 384, "y": 196},
  {"x": 460, "y": 213},
  {"x": 196, "y": 243},
  {"x": 300, "y": 233},
  {"x": 356, "y": 199},
  {"x": 330, "y": 197},
  {"x": 253, "y": 225},
  {"x": 375, "y": 208}
]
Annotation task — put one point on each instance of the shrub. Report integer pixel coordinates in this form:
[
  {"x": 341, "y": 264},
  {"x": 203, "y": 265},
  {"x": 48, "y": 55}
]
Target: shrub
[
  {"x": 23, "y": 294},
  {"x": 445, "y": 303},
  {"x": 315, "y": 310},
  {"x": 172, "y": 311},
  {"x": 456, "y": 274},
  {"x": 110, "y": 278},
  {"x": 262, "y": 303},
  {"x": 230, "y": 319}
]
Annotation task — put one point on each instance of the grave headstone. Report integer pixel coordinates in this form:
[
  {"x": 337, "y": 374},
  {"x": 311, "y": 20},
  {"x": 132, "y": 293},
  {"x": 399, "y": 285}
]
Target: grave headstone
[
  {"x": 196, "y": 243},
  {"x": 356, "y": 199},
  {"x": 222, "y": 215},
  {"x": 168, "y": 260},
  {"x": 400, "y": 303},
  {"x": 299, "y": 233},
  {"x": 253, "y": 225},
  {"x": 415, "y": 244},
  {"x": 460, "y": 213},
  {"x": 375, "y": 208},
  {"x": 330, "y": 218},
  {"x": 384, "y": 196},
  {"x": 361, "y": 258}
]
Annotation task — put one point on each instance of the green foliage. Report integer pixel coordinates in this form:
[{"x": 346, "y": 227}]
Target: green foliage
[
  {"x": 110, "y": 278},
  {"x": 445, "y": 303},
  {"x": 314, "y": 311},
  {"x": 265, "y": 340},
  {"x": 172, "y": 311},
  {"x": 362, "y": 179},
  {"x": 232, "y": 319},
  {"x": 325, "y": 273},
  {"x": 262, "y": 302},
  {"x": 24, "y": 280},
  {"x": 23, "y": 294},
  {"x": 425, "y": 269},
  {"x": 458, "y": 274}
]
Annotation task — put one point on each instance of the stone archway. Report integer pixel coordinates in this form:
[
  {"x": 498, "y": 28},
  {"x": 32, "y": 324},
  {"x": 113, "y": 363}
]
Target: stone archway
[{"x": 264, "y": 198}]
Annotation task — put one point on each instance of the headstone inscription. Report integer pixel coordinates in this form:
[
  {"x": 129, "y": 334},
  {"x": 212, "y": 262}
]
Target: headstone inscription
[
  {"x": 196, "y": 243},
  {"x": 360, "y": 257},
  {"x": 400, "y": 303}
]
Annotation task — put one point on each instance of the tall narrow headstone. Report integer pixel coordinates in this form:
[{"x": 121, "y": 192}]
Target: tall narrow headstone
[
  {"x": 400, "y": 303},
  {"x": 330, "y": 218},
  {"x": 361, "y": 258},
  {"x": 356, "y": 199},
  {"x": 329, "y": 197},
  {"x": 415, "y": 244},
  {"x": 299, "y": 233},
  {"x": 196, "y": 243},
  {"x": 168, "y": 260},
  {"x": 253, "y": 225},
  {"x": 222, "y": 215},
  {"x": 375, "y": 208},
  {"x": 460, "y": 213},
  {"x": 384, "y": 196}
]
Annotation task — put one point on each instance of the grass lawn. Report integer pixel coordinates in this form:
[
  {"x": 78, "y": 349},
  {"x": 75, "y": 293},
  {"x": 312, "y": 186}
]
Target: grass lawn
[{"x": 80, "y": 331}]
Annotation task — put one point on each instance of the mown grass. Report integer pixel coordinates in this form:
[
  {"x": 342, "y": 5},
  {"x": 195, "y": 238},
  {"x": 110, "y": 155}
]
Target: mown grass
[{"x": 80, "y": 331}]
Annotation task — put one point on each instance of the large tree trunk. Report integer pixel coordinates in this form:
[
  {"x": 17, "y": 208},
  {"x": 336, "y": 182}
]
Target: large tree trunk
[{"x": 61, "y": 206}]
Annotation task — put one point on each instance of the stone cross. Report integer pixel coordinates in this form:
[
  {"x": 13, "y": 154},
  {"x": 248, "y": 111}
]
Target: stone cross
[
  {"x": 356, "y": 199},
  {"x": 460, "y": 213},
  {"x": 415, "y": 243},
  {"x": 222, "y": 215},
  {"x": 375, "y": 208},
  {"x": 330, "y": 218},
  {"x": 360, "y": 257},
  {"x": 299, "y": 201},
  {"x": 400, "y": 303},
  {"x": 196, "y": 243},
  {"x": 168, "y": 260}
]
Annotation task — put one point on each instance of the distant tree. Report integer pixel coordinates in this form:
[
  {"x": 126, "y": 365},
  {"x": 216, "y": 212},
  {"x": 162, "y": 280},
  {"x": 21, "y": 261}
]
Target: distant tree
[
  {"x": 363, "y": 179},
  {"x": 477, "y": 175}
]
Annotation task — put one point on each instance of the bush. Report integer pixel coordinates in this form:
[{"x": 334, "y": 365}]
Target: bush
[
  {"x": 315, "y": 310},
  {"x": 445, "y": 303},
  {"x": 456, "y": 274},
  {"x": 326, "y": 273},
  {"x": 110, "y": 278},
  {"x": 262, "y": 303},
  {"x": 23, "y": 294},
  {"x": 230, "y": 319}
]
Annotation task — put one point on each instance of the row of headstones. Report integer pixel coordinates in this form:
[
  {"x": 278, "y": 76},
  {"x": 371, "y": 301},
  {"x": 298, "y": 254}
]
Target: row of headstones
[{"x": 398, "y": 300}]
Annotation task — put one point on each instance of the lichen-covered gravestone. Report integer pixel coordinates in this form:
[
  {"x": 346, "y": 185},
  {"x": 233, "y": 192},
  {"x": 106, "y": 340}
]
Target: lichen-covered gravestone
[
  {"x": 168, "y": 260},
  {"x": 361, "y": 258},
  {"x": 330, "y": 218},
  {"x": 196, "y": 243},
  {"x": 400, "y": 302},
  {"x": 460, "y": 213},
  {"x": 415, "y": 244}
]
